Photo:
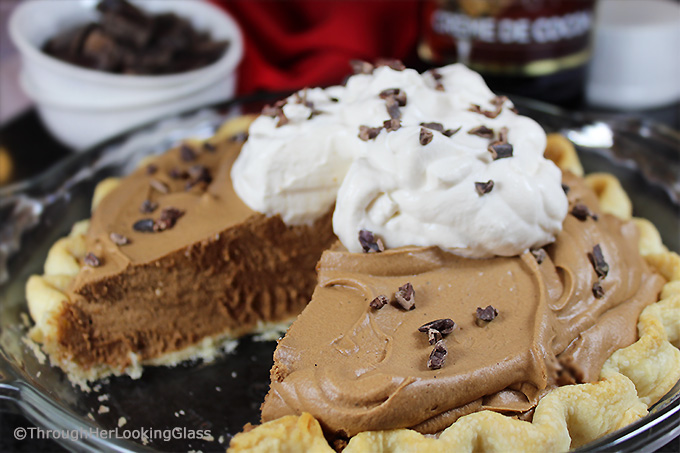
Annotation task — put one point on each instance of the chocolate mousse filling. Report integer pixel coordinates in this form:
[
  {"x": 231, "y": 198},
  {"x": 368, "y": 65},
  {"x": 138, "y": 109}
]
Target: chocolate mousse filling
[
  {"x": 194, "y": 262},
  {"x": 357, "y": 368}
]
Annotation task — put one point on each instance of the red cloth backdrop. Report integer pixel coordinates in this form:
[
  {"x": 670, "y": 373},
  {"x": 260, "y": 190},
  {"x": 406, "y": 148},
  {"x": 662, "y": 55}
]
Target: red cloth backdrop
[{"x": 293, "y": 44}]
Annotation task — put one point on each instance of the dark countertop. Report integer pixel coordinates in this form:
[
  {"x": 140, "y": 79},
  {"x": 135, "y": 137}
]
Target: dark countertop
[{"x": 31, "y": 149}]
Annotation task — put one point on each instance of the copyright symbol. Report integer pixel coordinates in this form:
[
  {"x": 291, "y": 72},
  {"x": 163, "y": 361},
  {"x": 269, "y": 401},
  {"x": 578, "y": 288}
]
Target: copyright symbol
[{"x": 20, "y": 433}]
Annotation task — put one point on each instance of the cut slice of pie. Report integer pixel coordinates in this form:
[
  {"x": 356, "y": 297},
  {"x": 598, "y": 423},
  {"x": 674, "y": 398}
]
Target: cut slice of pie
[{"x": 171, "y": 264}]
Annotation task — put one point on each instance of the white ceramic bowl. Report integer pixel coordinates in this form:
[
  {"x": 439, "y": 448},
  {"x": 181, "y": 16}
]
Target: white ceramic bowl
[{"x": 82, "y": 107}]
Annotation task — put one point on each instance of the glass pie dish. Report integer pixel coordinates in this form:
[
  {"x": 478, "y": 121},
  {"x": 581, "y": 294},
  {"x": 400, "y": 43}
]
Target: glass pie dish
[{"x": 161, "y": 410}]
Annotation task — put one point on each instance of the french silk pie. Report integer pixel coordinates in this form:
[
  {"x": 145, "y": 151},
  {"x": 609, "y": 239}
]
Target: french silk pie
[{"x": 473, "y": 289}]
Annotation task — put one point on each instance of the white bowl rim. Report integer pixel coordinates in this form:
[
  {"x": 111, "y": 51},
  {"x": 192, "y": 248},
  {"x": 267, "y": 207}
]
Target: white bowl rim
[{"x": 230, "y": 58}]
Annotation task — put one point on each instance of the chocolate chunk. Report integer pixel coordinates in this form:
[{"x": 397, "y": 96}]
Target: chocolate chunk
[
  {"x": 433, "y": 336},
  {"x": 445, "y": 326},
  {"x": 484, "y": 187},
  {"x": 599, "y": 264},
  {"x": 406, "y": 297},
  {"x": 368, "y": 133},
  {"x": 393, "y": 108},
  {"x": 119, "y": 239},
  {"x": 361, "y": 67},
  {"x": 151, "y": 169},
  {"x": 334, "y": 99},
  {"x": 379, "y": 302},
  {"x": 176, "y": 173},
  {"x": 392, "y": 125},
  {"x": 144, "y": 226},
  {"x": 487, "y": 314},
  {"x": 540, "y": 255},
  {"x": 598, "y": 290},
  {"x": 92, "y": 260},
  {"x": 437, "y": 356},
  {"x": 370, "y": 243},
  {"x": 159, "y": 186},
  {"x": 186, "y": 153},
  {"x": 434, "y": 126},
  {"x": 148, "y": 206},
  {"x": 482, "y": 131},
  {"x": 167, "y": 219},
  {"x": 500, "y": 150},
  {"x": 581, "y": 212},
  {"x": 210, "y": 147},
  {"x": 425, "y": 136},
  {"x": 566, "y": 189},
  {"x": 451, "y": 132},
  {"x": 392, "y": 63}
]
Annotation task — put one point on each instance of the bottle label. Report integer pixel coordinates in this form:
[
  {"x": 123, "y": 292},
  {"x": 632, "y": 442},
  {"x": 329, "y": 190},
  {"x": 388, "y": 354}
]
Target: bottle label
[{"x": 509, "y": 37}]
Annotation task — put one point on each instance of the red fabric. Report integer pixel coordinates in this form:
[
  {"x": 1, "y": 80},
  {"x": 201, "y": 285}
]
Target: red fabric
[{"x": 293, "y": 44}]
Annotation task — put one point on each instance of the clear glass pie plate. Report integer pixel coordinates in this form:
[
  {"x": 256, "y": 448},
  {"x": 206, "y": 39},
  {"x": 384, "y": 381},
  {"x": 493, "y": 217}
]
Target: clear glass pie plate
[{"x": 224, "y": 395}]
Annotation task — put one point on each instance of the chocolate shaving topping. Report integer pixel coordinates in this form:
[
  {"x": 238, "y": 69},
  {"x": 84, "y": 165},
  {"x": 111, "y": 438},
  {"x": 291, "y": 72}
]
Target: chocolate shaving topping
[
  {"x": 599, "y": 264},
  {"x": 368, "y": 133},
  {"x": 500, "y": 150},
  {"x": 433, "y": 336},
  {"x": 148, "y": 206},
  {"x": 445, "y": 326},
  {"x": 406, "y": 297},
  {"x": 92, "y": 260},
  {"x": 503, "y": 135},
  {"x": 396, "y": 93},
  {"x": 144, "y": 226},
  {"x": 451, "y": 132},
  {"x": 487, "y": 113},
  {"x": 393, "y": 108},
  {"x": 566, "y": 189},
  {"x": 540, "y": 255},
  {"x": 425, "y": 136},
  {"x": 379, "y": 302},
  {"x": 334, "y": 99},
  {"x": 482, "y": 131},
  {"x": 370, "y": 243},
  {"x": 119, "y": 239},
  {"x": 498, "y": 101},
  {"x": 392, "y": 63},
  {"x": 151, "y": 169},
  {"x": 437, "y": 356},
  {"x": 392, "y": 125},
  {"x": 437, "y": 80},
  {"x": 199, "y": 174},
  {"x": 361, "y": 67},
  {"x": 486, "y": 314},
  {"x": 276, "y": 111},
  {"x": 210, "y": 147},
  {"x": 159, "y": 186},
  {"x": 581, "y": 212},
  {"x": 187, "y": 153},
  {"x": 434, "y": 126},
  {"x": 484, "y": 187},
  {"x": 167, "y": 219},
  {"x": 598, "y": 290}
]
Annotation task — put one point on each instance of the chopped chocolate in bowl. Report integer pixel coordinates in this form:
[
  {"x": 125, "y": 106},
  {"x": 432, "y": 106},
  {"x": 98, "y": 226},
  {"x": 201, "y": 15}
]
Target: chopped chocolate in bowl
[{"x": 128, "y": 40}]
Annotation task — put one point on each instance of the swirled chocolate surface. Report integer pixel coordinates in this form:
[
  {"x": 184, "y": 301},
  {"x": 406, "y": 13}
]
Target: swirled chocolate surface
[{"x": 357, "y": 368}]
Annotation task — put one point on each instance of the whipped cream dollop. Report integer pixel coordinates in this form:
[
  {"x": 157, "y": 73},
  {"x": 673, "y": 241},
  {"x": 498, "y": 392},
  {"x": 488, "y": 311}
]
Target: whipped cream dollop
[{"x": 456, "y": 168}]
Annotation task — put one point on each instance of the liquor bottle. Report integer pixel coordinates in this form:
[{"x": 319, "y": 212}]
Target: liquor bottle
[{"x": 534, "y": 48}]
